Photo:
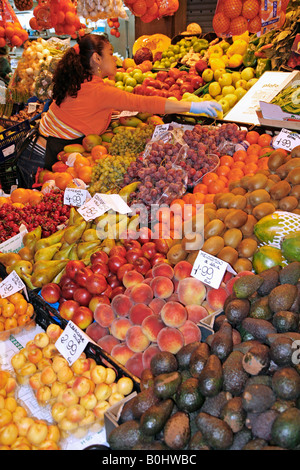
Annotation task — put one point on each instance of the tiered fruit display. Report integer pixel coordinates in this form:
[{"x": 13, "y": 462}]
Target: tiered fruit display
[{"x": 79, "y": 394}]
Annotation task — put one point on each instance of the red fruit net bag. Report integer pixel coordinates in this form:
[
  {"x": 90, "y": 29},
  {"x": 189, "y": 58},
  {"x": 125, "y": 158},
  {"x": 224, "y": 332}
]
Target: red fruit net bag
[
  {"x": 236, "y": 17},
  {"x": 149, "y": 10}
]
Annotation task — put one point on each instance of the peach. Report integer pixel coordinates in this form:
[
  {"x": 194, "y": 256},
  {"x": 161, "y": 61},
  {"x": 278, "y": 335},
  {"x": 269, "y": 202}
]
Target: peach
[
  {"x": 53, "y": 433},
  {"x": 173, "y": 298},
  {"x": 50, "y": 351},
  {"x": 88, "y": 419},
  {"x": 170, "y": 339},
  {"x": 207, "y": 307},
  {"x": 75, "y": 413},
  {"x": 37, "y": 433},
  {"x": 156, "y": 305},
  {"x": 121, "y": 353},
  {"x": 58, "y": 362},
  {"x": 191, "y": 291},
  {"x": 125, "y": 385},
  {"x": 35, "y": 381},
  {"x": 131, "y": 278},
  {"x": 216, "y": 298},
  {"x": 119, "y": 327},
  {"x": 229, "y": 285},
  {"x": 43, "y": 394},
  {"x": 44, "y": 362},
  {"x": 57, "y": 389},
  {"x": 48, "y": 376},
  {"x": 173, "y": 314},
  {"x": 81, "y": 386},
  {"x": 141, "y": 293},
  {"x": 115, "y": 398},
  {"x": 48, "y": 444},
  {"x": 28, "y": 369},
  {"x": 121, "y": 305},
  {"x": 88, "y": 401},
  {"x": 65, "y": 374},
  {"x": 10, "y": 404},
  {"x": 68, "y": 426},
  {"x": 5, "y": 417},
  {"x": 163, "y": 269},
  {"x": 8, "y": 434},
  {"x": 110, "y": 376},
  {"x": 100, "y": 409},
  {"x": 107, "y": 342},
  {"x": 162, "y": 287},
  {"x": 41, "y": 340},
  {"x": 102, "y": 391},
  {"x": 18, "y": 361},
  {"x": 98, "y": 374},
  {"x": 54, "y": 331},
  {"x": 182, "y": 269},
  {"x": 191, "y": 332},
  {"x": 136, "y": 340},
  {"x": 96, "y": 331},
  {"x": 151, "y": 326},
  {"x": 58, "y": 411},
  {"x": 138, "y": 313},
  {"x": 135, "y": 364},
  {"x": 19, "y": 413},
  {"x": 24, "y": 424},
  {"x": 35, "y": 355},
  {"x": 196, "y": 312},
  {"x": 80, "y": 366},
  {"x": 69, "y": 397},
  {"x": 104, "y": 315},
  {"x": 11, "y": 385}
]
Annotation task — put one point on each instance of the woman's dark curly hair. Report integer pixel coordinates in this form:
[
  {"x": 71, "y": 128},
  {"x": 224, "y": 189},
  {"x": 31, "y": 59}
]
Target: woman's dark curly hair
[{"x": 74, "y": 68}]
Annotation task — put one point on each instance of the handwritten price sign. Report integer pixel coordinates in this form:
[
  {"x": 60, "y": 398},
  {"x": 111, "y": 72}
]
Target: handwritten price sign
[
  {"x": 93, "y": 208},
  {"x": 286, "y": 140},
  {"x": 75, "y": 197},
  {"x": 11, "y": 284},
  {"x": 209, "y": 269},
  {"x": 72, "y": 342}
]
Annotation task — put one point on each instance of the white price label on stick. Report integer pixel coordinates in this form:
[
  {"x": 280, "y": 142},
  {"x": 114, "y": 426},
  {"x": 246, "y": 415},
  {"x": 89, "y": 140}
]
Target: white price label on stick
[
  {"x": 209, "y": 269},
  {"x": 11, "y": 284},
  {"x": 72, "y": 342},
  {"x": 286, "y": 140},
  {"x": 93, "y": 208},
  {"x": 75, "y": 197}
]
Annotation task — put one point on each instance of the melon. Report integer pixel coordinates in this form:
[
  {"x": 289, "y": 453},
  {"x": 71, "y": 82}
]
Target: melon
[{"x": 155, "y": 42}]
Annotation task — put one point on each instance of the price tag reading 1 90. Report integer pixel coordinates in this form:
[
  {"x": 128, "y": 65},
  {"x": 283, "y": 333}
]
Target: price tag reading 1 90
[
  {"x": 71, "y": 342},
  {"x": 209, "y": 269}
]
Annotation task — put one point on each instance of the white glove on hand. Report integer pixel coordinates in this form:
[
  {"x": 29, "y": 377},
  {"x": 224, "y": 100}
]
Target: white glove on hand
[{"x": 207, "y": 107}]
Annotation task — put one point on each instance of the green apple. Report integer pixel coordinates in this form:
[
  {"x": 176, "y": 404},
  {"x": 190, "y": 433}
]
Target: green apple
[
  {"x": 251, "y": 82},
  {"x": 231, "y": 98},
  {"x": 225, "y": 79},
  {"x": 240, "y": 92},
  {"x": 119, "y": 84},
  {"x": 214, "y": 89},
  {"x": 139, "y": 77},
  {"x": 241, "y": 84},
  {"x": 125, "y": 76},
  {"x": 225, "y": 105},
  {"x": 119, "y": 76},
  {"x": 235, "y": 77},
  {"x": 207, "y": 75},
  {"x": 128, "y": 88},
  {"x": 248, "y": 73},
  {"x": 130, "y": 81},
  {"x": 218, "y": 73},
  {"x": 226, "y": 90}
]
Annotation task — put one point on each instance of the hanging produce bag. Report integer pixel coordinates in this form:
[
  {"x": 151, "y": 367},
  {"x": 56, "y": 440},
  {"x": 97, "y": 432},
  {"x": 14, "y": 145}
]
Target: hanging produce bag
[
  {"x": 95, "y": 10},
  {"x": 149, "y": 10},
  {"x": 236, "y": 17},
  {"x": 11, "y": 31}
]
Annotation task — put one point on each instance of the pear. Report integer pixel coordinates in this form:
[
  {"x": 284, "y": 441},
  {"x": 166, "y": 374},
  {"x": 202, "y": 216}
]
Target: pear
[
  {"x": 56, "y": 237},
  {"x": 58, "y": 277},
  {"x": 90, "y": 235},
  {"x": 74, "y": 232},
  {"x": 8, "y": 259},
  {"x": 26, "y": 278},
  {"x": 64, "y": 253},
  {"x": 72, "y": 215},
  {"x": 73, "y": 255},
  {"x": 46, "y": 275},
  {"x": 107, "y": 245},
  {"x": 45, "y": 264},
  {"x": 20, "y": 267},
  {"x": 27, "y": 252},
  {"x": 85, "y": 247},
  {"x": 33, "y": 235},
  {"x": 47, "y": 253}
]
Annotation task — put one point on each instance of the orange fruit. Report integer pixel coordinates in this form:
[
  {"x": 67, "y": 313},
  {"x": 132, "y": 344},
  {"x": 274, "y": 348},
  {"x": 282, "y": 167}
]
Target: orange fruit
[
  {"x": 238, "y": 164},
  {"x": 20, "y": 195},
  {"x": 250, "y": 169},
  {"x": 252, "y": 158},
  {"x": 264, "y": 140},
  {"x": 220, "y": 23},
  {"x": 2, "y": 42},
  {"x": 239, "y": 156},
  {"x": 226, "y": 160},
  {"x": 35, "y": 197},
  {"x": 252, "y": 137},
  {"x": 80, "y": 161},
  {"x": 62, "y": 180},
  {"x": 254, "y": 25},
  {"x": 186, "y": 198},
  {"x": 189, "y": 211},
  {"x": 2, "y": 32},
  {"x": 200, "y": 188},
  {"x": 99, "y": 151},
  {"x": 9, "y": 30},
  {"x": 85, "y": 174},
  {"x": 209, "y": 198},
  {"x": 139, "y": 8},
  {"x": 209, "y": 177},
  {"x": 4, "y": 200},
  {"x": 10, "y": 323},
  {"x": 265, "y": 151},
  {"x": 8, "y": 310},
  {"x": 238, "y": 26},
  {"x": 232, "y": 8},
  {"x": 236, "y": 174},
  {"x": 262, "y": 163},
  {"x": 23, "y": 319},
  {"x": 21, "y": 307},
  {"x": 250, "y": 9},
  {"x": 253, "y": 148},
  {"x": 176, "y": 206},
  {"x": 223, "y": 170},
  {"x": 198, "y": 198},
  {"x": 16, "y": 40},
  {"x": 216, "y": 187}
]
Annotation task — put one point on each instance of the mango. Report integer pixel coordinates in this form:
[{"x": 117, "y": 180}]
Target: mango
[
  {"x": 74, "y": 148},
  {"x": 131, "y": 121},
  {"x": 90, "y": 141},
  {"x": 107, "y": 136}
]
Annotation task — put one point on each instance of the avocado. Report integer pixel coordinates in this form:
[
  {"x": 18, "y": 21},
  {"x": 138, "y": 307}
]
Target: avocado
[
  {"x": 233, "y": 414},
  {"x": 142, "y": 401},
  {"x": 258, "y": 398},
  {"x": 154, "y": 419},
  {"x": 216, "y": 432},
  {"x": 282, "y": 297},
  {"x": 283, "y": 405},
  {"x": 244, "y": 346},
  {"x": 184, "y": 355},
  {"x": 222, "y": 342},
  {"x": 259, "y": 380},
  {"x": 236, "y": 310},
  {"x": 260, "y": 309},
  {"x": 257, "y": 359},
  {"x": 290, "y": 274},
  {"x": 258, "y": 328},
  {"x": 245, "y": 286},
  {"x": 285, "y": 321},
  {"x": 165, "y": 385},
  {"x": 271, "y": 279},
  {"x": 234, "y": 375},
  {"x": 188, "y": 396},
  {"x": 219, "y": 320},
  {"x": 127, "y": 413},
  {"x": 125, "y": 436},
  {"x": 261, "y": 424},
  {"x": 198, "y": 359},
  {"x": 155, "y": 445},
  {"x": 294, "y": 336},
  {"x": 255, "y": 444},
  {"x": 240, "y": 439},
  {"x": 286, "y": 383},
  {"x": 163, "y": 362},
  {"x": 213, "y": 405},
  {"x": 197, "y": 442},
  {"x": 286, "y": 429},
  {"x": 146, "y": 379},
  {"x": 177, "y": 431},
  {"x": 296, "y": 304},
  {"x": 211, "y": 378}
]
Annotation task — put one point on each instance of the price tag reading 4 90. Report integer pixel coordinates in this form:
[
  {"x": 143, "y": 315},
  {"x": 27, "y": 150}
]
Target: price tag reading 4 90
[
  {"x": 209, "y": 269},
  {"x": 71, "y": 342},
  {"x": 11, "y": 284}
]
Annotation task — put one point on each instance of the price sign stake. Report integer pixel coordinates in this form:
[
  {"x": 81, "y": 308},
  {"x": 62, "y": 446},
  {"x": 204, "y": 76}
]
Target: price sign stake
[
  {"x": 72, "y": 342},
  {"x": 209, "y": 269}
]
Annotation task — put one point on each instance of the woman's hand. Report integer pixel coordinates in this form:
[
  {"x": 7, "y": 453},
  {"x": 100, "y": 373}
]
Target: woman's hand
[{"x": 207, "y": 107}]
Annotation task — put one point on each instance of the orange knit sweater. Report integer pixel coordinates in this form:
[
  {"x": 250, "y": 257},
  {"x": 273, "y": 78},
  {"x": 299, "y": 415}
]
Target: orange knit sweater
[{"x": 90, "y": 112}]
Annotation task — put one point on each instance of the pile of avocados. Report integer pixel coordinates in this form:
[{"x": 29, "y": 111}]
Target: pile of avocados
[{"x": 238, "y": 390}]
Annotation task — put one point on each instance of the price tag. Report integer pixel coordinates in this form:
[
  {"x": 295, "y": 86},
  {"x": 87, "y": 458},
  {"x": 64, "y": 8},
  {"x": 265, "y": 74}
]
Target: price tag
[
  {"x": 72, "y": 342},
  {"x": 75, "y": 197},
  {"x": 11, "y": 284},
  {"x": 209, "y": 269},
  {"x": 160, "y": 131},
  {"x": 93, "y": 208},
  {"x": 32, "y": 107},
  {"x": 286, "y": 140}
]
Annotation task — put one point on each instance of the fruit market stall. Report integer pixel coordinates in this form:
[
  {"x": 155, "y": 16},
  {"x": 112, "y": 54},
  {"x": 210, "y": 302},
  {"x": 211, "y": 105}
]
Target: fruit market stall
[{"x": 150, "y": 281}]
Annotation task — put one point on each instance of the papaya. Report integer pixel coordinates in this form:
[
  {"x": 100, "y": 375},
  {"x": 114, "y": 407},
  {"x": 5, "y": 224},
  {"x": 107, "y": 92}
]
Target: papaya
[
  {"x": 273, "y": 226},
  {"x": 267, "y": 257},
  {"x": 290, "y": 246}
]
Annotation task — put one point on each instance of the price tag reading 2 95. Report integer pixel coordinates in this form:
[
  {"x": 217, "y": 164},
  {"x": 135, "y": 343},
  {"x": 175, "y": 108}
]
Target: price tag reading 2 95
[
  {"x": 209, "y": 269},
  {"x": 71, "y": 342}
]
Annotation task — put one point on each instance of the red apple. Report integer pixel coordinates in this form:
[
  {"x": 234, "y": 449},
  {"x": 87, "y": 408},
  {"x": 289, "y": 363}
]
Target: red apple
[
  {"x": 174, "y": 73},
  {"x": 72, "y": 267},
  {"x": 68, "y": 308},
  {"x": 162, "y": 75},
  {"x": 200, "y": 66},
  {"x": 82, "y": 274},
  {"x": 157, "y": 258},
  {"x": 119, "y": 250},
  {"x": 186, "y": 88},
  {"x": 145, "y": 235},
  {"x": 99, "y": 257},
  {"x": 98, "y": 299},
  {"x": 68, "y": 289},
  {"x": 117, "y": 290},
  {"x": 51, "y": 292},
  {"x": 83, "y": 317},
  {"x": 82, "y": 296},
  {"x": 113, "y": 281},
  {"x": 100, "y": 268},
  {"x": 114, "y": 262},
  {"x": 142, "y": 265},
  {"x": 149, "y": 250},
  {"x": 197, "y": 82},
  {"x": 96, "y": 284}
]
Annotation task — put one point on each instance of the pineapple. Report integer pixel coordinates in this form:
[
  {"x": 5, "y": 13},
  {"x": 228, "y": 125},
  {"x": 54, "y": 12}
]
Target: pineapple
[{"x": 23, "y": 5}]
